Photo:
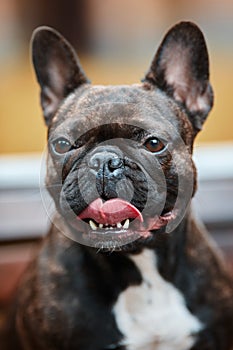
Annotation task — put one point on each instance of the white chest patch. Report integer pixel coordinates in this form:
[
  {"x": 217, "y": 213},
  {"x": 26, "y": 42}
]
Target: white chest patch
[{"x": 153, "y": 315}]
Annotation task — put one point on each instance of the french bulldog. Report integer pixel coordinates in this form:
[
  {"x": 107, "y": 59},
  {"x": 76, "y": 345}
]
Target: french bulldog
[{"x": 125, "y": 264}]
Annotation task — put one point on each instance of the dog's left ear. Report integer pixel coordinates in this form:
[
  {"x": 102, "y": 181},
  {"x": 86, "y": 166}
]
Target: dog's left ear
[
  {"x": 181, "y": 69},
  {"x": 57, "y": 67}
]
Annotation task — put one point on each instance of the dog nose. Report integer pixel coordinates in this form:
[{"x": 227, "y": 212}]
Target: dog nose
[{"x": 109, "y": 160}]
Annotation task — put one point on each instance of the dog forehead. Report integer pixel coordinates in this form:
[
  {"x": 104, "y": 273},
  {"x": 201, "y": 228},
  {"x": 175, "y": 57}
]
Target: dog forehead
[
  {"x": 124, "y": 98},
  {"x": 98, "y": 105}
]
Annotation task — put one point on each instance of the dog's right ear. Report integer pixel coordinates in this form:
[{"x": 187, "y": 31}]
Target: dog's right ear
[{"x": 57, "y": 68}]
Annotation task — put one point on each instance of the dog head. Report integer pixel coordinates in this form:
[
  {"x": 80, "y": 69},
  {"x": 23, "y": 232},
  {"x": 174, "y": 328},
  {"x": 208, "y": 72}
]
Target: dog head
[{"x": 119, "y": 157}]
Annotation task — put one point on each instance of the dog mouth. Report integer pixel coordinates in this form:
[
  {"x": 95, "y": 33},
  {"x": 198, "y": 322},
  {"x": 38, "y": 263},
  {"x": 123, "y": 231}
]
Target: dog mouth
[
  {"x": 114, "y": 213},
  {"x": 116, "y": 221}
]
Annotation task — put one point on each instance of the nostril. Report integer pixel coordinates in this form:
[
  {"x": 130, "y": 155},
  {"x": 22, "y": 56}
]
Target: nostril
[
  {"x": 96, "y": 164},
  {"x": 115, "y": 163}
]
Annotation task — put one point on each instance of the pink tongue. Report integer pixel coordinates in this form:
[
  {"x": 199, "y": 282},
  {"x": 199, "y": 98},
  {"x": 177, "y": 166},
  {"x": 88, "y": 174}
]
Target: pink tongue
[{"x": 111, "y": 212}]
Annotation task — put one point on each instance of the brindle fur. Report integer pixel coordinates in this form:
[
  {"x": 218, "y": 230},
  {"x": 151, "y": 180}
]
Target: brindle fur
[{"x": 67, "y": 295}]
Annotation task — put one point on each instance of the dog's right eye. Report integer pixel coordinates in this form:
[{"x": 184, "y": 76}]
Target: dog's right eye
[{"x": 62, "y": 146}]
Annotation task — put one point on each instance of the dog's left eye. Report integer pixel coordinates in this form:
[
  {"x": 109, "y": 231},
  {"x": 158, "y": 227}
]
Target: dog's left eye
[
  {"x": 154, "y": 145},
  {"x": 62, "y": 146}
]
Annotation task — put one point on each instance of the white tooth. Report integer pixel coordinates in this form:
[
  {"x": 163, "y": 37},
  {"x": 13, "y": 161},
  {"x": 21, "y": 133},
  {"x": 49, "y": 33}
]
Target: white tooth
[
  {"x": 101, "y": 225},
  {"x": 119, "y": 225},
  {"x": 126, "y": 224},
  {"x": 92, "y": 225}
]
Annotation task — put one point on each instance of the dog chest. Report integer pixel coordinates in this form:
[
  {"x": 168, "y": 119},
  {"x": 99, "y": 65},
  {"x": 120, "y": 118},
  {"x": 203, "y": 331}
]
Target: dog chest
[{"x": 153, "y": 315}]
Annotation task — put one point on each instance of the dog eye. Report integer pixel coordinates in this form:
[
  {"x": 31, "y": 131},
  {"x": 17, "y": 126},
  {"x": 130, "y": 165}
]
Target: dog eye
[
  {"x": 62, "y": 146},
  {"x": 154, "y": 145}
]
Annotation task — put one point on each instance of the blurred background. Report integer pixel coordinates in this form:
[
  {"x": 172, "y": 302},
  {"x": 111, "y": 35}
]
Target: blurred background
[{"x": 115, "y": 40}]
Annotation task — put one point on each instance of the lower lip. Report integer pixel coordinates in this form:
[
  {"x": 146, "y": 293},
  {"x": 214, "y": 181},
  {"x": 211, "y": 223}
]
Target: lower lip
[{"x": 113, "y": 238}]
